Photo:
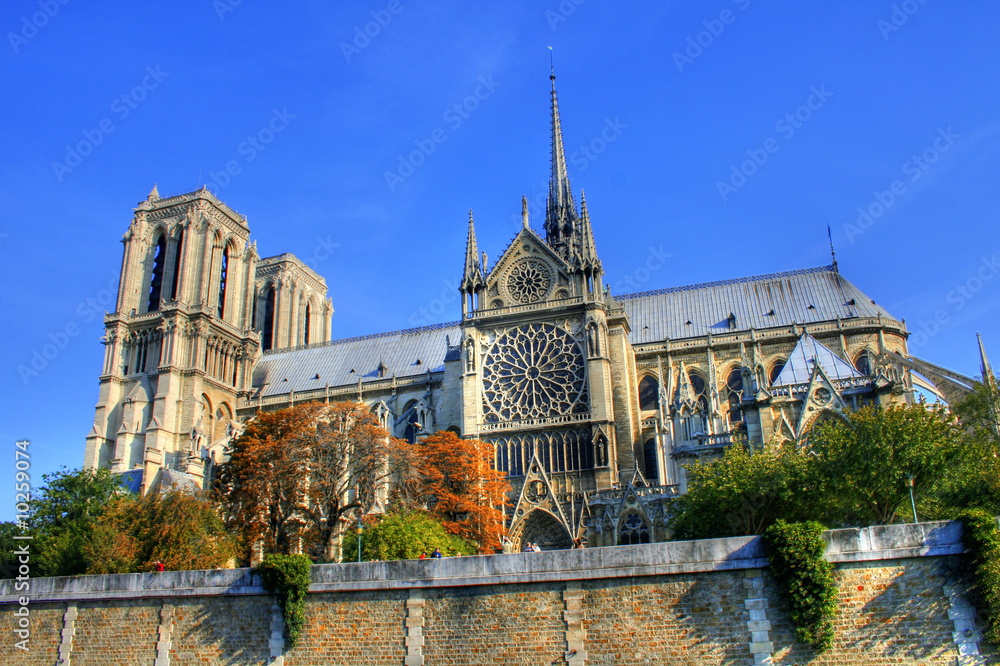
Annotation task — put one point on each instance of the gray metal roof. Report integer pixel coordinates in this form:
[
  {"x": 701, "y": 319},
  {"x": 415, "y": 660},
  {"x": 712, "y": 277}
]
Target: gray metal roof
[
  {"x": 341, "y": 362},
  {"x": 764, "y": 301}
]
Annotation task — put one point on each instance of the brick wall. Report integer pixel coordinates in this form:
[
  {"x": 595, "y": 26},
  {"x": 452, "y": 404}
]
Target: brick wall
[
  {"x": 680, "y": 619},
  {"x": 358, "y": 628},
  {"x": 520, "y": 624},
  {"x": 903, "y": 599},
  {"x": 118, "y": 634},
  {"x": 220, "y": 630}
]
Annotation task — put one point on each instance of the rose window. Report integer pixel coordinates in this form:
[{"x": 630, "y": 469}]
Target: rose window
[
  {"x": 534, "y": 371},
  {"x": 528, "y": 281}
]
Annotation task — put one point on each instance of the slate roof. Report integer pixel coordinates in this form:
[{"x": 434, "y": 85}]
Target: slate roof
[
  {"x": 341, "y": 362},
  {"x": 798, "y": 369},
  {"x": 763, "y": 301}
]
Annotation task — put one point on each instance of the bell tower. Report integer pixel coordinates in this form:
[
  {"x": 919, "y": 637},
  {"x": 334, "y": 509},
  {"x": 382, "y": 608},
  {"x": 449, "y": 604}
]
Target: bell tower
[{"x": 180, "y": 346}]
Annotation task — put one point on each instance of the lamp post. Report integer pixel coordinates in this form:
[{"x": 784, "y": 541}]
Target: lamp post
[
  {"x": 913, "y": 504},
  {"x": 361, "y": 530}
]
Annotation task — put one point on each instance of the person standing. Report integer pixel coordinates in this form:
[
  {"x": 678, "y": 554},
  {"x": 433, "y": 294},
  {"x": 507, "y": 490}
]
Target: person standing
[{"x": 436, "y": 553}]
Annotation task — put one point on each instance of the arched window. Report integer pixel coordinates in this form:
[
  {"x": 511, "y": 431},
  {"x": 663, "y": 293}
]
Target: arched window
[
  {"x": 253, "y": 312},
  {"x": 267, "y": 335},
  {"x": 308, "y": 313},
  {"x": 652, "y": 471},
  {"x": 413, "y": 425},
  {"x": 775, "y": 371},
  {"x": 178, "y": 253},
  {"x": 649, "y": 393},
  {"x": 863, "y": 363},
  {"x": 698, "y": 385},
  {"x": 634, "y": 530},
  {"x": 223, "y": 272},
  {"x": 734, "y": 396},
  {"x": 156, "y": 281}
]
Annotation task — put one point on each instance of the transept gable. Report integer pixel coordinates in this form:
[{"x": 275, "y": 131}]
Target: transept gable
[
  {"x": 529, "y": 271},
  {"x": 537, "y": 493},
  {"x": 822, "y": 396}
]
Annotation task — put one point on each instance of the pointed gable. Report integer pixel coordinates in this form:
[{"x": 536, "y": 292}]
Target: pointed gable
[{"x": 807, "y": 353}]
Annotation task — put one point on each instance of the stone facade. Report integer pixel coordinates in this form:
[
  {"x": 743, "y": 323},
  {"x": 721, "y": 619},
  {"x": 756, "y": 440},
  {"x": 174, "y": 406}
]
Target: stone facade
[
  {"x": 903, "y": 599},
  {"x": 594, "y": 402}
]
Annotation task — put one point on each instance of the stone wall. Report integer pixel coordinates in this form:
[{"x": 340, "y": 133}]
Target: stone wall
[{"x": 903, "y": 599}]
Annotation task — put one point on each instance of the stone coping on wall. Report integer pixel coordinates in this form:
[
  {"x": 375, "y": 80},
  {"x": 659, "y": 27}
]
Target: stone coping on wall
[{"x": 675, "y": 557}]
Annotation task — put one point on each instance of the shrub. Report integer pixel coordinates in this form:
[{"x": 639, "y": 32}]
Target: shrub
[
  {"x": 288, "y": 576},
  {"x": 796, "y": 554},
  {"x": 982, "y": 546}
]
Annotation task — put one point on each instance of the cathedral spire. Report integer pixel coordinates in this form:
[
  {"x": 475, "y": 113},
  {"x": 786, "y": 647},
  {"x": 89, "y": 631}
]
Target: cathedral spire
[
  {"x": 560, "y": 213},
  {"x": 984, "y": 363},
  {"x": 833, "y": 254},
  {"x": 588, "y": 251},
  {"x": 472, "y": 277}
]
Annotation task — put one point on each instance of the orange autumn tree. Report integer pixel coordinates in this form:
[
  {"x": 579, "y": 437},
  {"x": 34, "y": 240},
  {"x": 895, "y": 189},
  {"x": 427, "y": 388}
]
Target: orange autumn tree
[
  {"x": 260, "y": 486},
  {"x": 296, "y": 477},
  {"x": 459, "y": 486}
]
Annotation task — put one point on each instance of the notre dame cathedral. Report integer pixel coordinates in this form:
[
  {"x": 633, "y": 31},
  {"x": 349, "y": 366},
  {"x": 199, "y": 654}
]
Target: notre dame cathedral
[{"x": 594, "y": 402}]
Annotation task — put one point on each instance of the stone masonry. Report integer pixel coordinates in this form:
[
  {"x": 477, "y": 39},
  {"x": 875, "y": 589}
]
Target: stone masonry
[{"x": 903, "y": 598}]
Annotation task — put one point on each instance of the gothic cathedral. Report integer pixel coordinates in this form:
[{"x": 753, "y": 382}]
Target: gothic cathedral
[{"x": 594, "y": 402}]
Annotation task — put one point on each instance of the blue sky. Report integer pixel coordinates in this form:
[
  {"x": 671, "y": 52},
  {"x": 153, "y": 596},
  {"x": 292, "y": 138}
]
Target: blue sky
[{"x": 724, "y": 133}]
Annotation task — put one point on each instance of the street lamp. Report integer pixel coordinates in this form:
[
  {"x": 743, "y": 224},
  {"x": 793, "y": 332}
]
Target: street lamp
[
  {"x": 913, "y": 504},
  {"x": 361, "y": 530}
]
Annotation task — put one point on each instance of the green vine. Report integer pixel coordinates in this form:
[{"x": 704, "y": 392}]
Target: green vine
[
  {"x": 288, "y": 575},
  {"x": 796, "y": 554},
  {"x": 982, "y": 547}
]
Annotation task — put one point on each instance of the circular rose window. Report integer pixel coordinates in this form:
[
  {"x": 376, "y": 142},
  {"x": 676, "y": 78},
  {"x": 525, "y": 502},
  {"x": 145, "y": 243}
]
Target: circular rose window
[{"x": 528, "y": 281}]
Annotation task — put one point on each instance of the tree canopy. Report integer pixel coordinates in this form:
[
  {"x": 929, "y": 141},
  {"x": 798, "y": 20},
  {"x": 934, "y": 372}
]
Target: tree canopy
[
  {"x": 741, "y": 493},
  {"x": 62, "y": 515},
  {"x": 851, "y": 472},
  {"x": 404, "y": 535},
  {"x": 296, "y": 476},
  {"x": 458, "y": 485},
  {"x": 181, "y": 529}
]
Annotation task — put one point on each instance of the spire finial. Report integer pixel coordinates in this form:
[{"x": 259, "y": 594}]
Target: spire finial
[
  {"x": 552, "y": 66},
  {"x": 561, "y": 219},
  {"x": 984, "y": 363},
  {"x": 472, "y": 276},
  {"x": 833, "y": 254},
  {"x": 154, "y": 194}
]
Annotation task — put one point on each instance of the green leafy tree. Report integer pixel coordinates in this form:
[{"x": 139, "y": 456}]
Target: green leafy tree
[
  {"x": 62, "y": 515},
  {"x": 973, "y": 481},
  {"x": 404, "y": 535},
  {"x": 8, "y": 560},
  {"x": 741, "y": 493},
  {"x": 867, "y": 463}
]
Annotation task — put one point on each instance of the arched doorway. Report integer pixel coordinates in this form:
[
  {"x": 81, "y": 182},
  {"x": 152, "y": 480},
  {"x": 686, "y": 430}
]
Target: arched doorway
[{"x": 543, "y": 528}]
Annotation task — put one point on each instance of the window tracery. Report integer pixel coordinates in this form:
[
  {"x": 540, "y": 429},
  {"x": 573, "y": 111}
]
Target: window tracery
[
  {"x": 649, "y": 393},
  {"x": 534, "y": 371},
  {"x": 633, "y": 530},
  {"x": 529, "y": 280},
  {"x": 558, "y": 451}
]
